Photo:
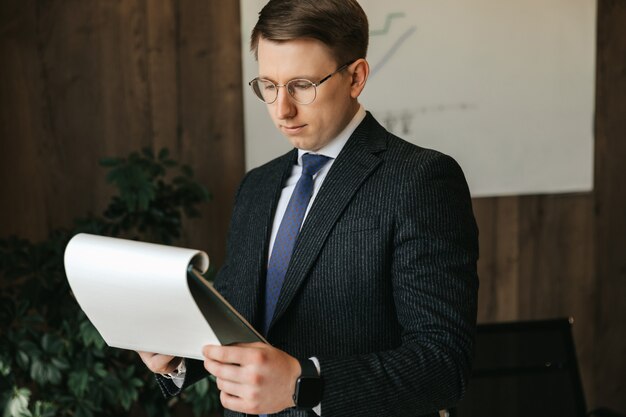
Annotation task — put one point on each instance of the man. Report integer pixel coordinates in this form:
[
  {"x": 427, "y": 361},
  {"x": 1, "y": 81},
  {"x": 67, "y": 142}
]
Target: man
[{"x": 355, "y": 253}]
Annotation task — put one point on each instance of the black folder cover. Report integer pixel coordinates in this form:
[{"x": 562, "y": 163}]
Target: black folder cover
[{"x": 227, "y": 324}]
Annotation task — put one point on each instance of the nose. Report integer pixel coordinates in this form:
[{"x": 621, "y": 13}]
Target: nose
[{"x": 284, "y": 106}]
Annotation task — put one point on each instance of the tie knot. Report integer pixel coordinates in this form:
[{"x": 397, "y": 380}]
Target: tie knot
[{"x": 312, "y": 163}]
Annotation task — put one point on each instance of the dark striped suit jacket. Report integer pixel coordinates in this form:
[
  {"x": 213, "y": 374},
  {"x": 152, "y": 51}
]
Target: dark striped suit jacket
[{"x": 382, "y": 284}]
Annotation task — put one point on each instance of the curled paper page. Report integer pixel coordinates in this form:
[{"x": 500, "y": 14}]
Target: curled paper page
[{"x": 137, "y": 294}]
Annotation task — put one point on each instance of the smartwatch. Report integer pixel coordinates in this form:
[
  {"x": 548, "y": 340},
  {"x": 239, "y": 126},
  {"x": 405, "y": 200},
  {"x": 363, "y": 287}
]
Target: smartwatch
[{"x": 308, "y": 393}]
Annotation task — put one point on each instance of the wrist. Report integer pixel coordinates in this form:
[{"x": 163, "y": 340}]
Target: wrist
[
  {"x": 178, "y": 372},
  {"x": 308, "y": 389}
]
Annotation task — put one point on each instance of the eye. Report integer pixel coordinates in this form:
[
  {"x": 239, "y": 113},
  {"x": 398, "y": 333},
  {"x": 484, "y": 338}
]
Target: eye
[
  {"x": 301, "y": 84},
  {"x": 269, "y": 86}
]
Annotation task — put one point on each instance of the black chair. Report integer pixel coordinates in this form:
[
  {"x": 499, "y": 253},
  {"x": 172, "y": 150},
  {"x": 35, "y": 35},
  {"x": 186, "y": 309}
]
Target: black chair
[{"x": 524, "y": 369}]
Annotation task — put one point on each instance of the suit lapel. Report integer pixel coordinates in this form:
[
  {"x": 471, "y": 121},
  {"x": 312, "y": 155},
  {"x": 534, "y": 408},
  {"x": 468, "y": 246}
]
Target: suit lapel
[
  {"x": 263, "y": 206},
  {"x": 353, "y": 165}
]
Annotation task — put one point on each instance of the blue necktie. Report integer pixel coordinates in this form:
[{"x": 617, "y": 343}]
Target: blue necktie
[{"x": 288, "y": 233}]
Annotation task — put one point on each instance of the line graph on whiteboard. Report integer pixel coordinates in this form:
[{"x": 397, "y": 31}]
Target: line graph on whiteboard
[
  {"x": 387, "y": 41},
  {"x": 397, "y": 43}
]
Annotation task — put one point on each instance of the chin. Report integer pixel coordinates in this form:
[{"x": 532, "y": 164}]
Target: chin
[{"x": 303, "y": 144}]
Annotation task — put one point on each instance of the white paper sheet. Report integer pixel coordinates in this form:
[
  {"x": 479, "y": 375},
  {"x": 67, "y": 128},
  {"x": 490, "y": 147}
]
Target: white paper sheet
[{"x": 136, "y": 294}]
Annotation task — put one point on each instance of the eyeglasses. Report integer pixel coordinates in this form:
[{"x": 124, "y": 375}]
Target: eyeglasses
[{"x": 302, "y": 91}]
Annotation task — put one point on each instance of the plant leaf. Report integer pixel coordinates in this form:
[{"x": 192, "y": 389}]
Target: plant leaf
[
  {"x": 90, "y": 335},
  {"x": 17, "y": 405},
  {"x": 78, "y": 382}
]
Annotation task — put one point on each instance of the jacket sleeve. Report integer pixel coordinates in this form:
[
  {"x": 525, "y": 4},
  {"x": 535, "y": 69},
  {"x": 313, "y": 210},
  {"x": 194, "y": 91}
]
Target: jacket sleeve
[
  {"x": 435, "y": 284},
  {"x": 195, "y": 372}
]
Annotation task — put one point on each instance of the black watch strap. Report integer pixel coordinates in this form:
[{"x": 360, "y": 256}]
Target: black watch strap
[
  {"x": 308, "y": 369},
  {"x": 308, "y": 392}
]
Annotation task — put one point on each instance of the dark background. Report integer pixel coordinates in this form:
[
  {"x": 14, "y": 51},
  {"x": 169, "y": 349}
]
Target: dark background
[{"x": 84, "y": 79}]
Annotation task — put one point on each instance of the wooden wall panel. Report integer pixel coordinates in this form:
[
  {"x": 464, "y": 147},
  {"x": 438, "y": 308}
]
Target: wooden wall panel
[
  {"x": 162, "y": 40},
  {"x": 24, "y": 115},
  {"x": 90, "y": 79},
  {"x": 211, "y": 109},
  {"x": 610, "y": 207},
  {"x": 498, "y": 267},
  {"x": 556, "y": 255},
  {"x": 556, "y": 267}
]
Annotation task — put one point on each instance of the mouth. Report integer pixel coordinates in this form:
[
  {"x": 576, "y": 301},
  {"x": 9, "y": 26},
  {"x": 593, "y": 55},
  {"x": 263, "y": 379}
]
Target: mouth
[{"x": 291, "y": 130}]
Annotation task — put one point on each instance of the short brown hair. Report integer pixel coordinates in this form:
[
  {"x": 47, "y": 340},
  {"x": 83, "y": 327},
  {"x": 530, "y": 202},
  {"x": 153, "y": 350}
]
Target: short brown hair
[{"x": 339, "y": 24}]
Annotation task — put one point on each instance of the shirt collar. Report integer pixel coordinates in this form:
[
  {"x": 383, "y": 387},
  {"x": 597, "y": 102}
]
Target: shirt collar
[{"x": 335, "y": 146}]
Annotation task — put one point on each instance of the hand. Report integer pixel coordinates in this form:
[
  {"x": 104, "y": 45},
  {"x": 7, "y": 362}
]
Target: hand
[
  {"x": 255, "y": 378},
  {"x": 160, "y": 364}
]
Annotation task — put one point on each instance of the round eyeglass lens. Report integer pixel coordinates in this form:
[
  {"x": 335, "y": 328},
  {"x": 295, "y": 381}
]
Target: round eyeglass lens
[
  {"x": 264, "y": 90},
  {"x": 302, "y": 91}
]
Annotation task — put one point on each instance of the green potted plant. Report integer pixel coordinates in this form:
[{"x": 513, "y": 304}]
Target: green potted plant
[{"x": 53, "y": 362}]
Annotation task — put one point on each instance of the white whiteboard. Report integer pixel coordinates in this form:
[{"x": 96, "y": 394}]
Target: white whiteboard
[{"x": 504, "y": 86}]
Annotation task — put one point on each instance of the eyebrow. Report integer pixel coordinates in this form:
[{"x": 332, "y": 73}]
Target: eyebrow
[{"x": 314, "y": 78}]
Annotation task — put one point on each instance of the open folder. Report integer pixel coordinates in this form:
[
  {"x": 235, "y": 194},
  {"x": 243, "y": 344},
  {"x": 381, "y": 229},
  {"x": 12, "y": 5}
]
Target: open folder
[{"x": 149, "y": 297}]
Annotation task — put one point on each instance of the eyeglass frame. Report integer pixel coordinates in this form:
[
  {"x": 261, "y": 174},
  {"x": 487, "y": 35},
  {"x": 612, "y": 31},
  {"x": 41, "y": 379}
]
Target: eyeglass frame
[{"x": 315, "y": 85}]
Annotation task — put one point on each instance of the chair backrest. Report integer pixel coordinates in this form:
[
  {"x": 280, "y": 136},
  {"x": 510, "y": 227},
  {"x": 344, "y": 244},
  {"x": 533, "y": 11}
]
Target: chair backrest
[{"x": 524, "y": 369}]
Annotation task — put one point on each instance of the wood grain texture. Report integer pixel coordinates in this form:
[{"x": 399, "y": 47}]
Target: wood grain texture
[
  {"x": 609, "y": 386},
  {"x": 211, "y": 103},
  {"x": 90, "y": 79},
  {"x": 498, "y": 223}
]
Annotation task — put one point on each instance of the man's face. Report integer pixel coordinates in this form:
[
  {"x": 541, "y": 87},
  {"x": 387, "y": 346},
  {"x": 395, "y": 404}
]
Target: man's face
[{"x": 307, "y": 126}]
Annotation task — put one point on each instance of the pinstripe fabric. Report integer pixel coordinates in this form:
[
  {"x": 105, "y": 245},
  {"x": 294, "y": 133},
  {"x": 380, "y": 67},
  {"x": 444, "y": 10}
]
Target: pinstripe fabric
[
  {"x": 288, "y": 232},
  {"x": 382, "y": 284}
]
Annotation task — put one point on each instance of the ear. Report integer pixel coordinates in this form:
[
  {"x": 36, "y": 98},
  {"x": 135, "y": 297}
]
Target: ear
[{"x": 359, "y": 71}]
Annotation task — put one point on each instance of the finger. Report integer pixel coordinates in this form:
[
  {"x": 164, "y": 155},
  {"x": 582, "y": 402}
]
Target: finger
[
  {"x": 159, "y": 363},
  {"x": 145, "y": 355},
  {"x": 240, "y": 355},
  {"x": 245, "y": 375},
  {"x": 162, "y": 362},
  {"x": 231, "y": 402},
  {"x": 244, "y": 398},
  {"x": 225, "y": 371},
  {"x": 249, "y": 403},
  {"x": 172, "y": 364},
  {"x": 251, "y": 345},
  {"x": 230, "y": 387},
  {"x": 224, "y": 354}
]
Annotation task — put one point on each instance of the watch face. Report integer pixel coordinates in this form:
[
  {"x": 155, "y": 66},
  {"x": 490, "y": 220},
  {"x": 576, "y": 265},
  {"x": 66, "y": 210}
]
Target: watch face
[{"x": 309, "y": 392}]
